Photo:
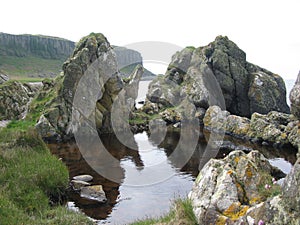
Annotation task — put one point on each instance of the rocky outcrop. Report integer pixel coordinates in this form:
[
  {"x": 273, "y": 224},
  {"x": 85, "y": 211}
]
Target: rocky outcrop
[
  {"x": 199, "y": 73},
  {"x": 35, "y": 45},
  {"x": 88, "y": 88},
  {"x": 243, "y": 189},
  {"x": 3, "y": 77},
  {"x": 295, "y": 98},
  {"x": 275, "y": 128},
  {"x": 14, "y": 99}
]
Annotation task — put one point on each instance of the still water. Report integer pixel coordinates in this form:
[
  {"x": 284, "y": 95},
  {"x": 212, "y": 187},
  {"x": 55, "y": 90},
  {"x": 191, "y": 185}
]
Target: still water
[{"x": 160, "y": 160}]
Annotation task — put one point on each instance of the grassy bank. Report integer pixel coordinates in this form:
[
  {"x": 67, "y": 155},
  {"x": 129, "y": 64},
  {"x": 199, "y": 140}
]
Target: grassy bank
[
  {"x": 29, "y": 66},
  {"x": 32, "y": 180},
  {"x": 180, "y": 214}
]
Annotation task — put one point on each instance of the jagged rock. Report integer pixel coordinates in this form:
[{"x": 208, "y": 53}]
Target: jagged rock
[
  {"x": 14, "y": 100},
  {"x": 218, "y": 74},
  {"x": 295, "y": 98},
  {"x": 228, "y": 189},
  {"x": 94, "y": 192},
  {"x": 91, "y": 76},
  {"x": 3, "y": 77}
]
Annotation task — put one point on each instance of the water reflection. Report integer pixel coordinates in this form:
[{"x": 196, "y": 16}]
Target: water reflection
[{"x": 154, "y": 158}]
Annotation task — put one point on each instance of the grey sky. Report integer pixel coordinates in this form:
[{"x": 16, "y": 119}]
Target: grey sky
[{"x": 268, "y": 31}]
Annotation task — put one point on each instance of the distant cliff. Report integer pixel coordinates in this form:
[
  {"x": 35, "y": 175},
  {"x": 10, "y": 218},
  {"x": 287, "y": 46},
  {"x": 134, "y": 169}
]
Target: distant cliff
[
  {"x": 128, "y": 59},
  {"x": 35, "y": 45}
]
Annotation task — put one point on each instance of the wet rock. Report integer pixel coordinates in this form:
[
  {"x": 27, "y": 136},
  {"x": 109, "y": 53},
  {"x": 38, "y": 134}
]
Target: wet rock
[
  {"x": 94, "y": 192},
  {"x": 85, "y": 178},
  {"x": 78, "y": 184},
  {"x": 227, "y": 190}
]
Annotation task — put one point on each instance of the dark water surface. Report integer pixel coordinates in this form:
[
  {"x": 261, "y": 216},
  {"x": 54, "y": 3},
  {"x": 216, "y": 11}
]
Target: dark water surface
[{"x": 152, "y": 159}]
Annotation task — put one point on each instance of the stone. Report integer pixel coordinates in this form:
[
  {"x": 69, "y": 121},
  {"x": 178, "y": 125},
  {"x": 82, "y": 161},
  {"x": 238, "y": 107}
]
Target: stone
[
  {"x": 295, "y": 98},
  {"x": 226, "y": 191},
  {"x": 78, "y": 184},
  {"x": 84, "y": 177},
  {"x": 94, "y": 192},
  {"x": 15, "y": 98},
  {"x": 3, "y": 77},
  {"x": 218, "y": 74},
  {"x": 75, "y": 101}
]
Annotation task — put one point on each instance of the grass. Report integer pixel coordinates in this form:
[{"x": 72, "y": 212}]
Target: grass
[
  {"x": 32, "y": 180},
  {"x": 29, "y": 67},
  {"x": 181, "y": 213}
]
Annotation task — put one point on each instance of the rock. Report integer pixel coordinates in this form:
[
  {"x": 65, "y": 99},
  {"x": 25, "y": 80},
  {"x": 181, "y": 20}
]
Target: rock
[
  {"x": 85, "y": 178},
  {"x": 14, "y": 100},
  {"x": 218, "y": 74},
  {"x": 3, "y": 77},
  {"x": 228, "y": 189},
  {"x": 295, "y": 98},
  {"x": 78, "y": 184},
  {"x": 291, "y": 189},
  {"x": 274, "y": 128},
  {"x": 95, "y": 60},
  {"x": 94, "y": 192}
]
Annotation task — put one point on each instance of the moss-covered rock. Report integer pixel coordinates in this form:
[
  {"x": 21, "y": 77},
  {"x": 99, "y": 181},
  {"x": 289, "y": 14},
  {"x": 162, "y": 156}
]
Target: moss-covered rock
[
  {"x": 14, "y": 99},
  {"x": 218, "y": 74}
]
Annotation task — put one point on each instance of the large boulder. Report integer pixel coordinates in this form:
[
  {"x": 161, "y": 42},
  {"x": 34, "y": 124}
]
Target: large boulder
[
  {"x": 226, "y": 190},
  {"x": 198, "y": 74},
  {"x": 295, "y": 98},
  {"x": 87, "y": 90}
]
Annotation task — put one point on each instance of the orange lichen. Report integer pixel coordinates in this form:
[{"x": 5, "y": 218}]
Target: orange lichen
[
  {"x": 235, "y": 211},
  {"x": 255, "y": 200},
  {"x": 236, "y": 159},
  {"x": 249, "y": 173},
  {"x": 229, "y": 172}
]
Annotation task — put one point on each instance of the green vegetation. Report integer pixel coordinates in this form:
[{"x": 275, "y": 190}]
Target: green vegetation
[
  {"x": 181, "y": 213},
  {"x": 32, "y": 180},
  {"x": 29, "y": 67}
]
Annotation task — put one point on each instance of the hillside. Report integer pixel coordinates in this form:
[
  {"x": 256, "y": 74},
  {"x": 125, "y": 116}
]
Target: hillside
[{"x": 23, "y": 56}]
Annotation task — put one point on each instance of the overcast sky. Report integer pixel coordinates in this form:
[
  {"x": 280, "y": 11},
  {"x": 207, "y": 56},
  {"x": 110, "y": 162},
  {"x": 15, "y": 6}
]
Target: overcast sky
[{"x": 268, "y": 31}]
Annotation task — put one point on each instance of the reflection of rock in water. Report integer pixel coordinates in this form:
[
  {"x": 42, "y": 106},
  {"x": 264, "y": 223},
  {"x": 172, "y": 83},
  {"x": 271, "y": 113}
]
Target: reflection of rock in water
[{"x": 71, "y": 156}]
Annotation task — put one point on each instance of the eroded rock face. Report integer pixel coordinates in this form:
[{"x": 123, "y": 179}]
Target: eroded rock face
[
  {"x": 88, "y": 88},
  {"x": 14, "y": 100},
  {"x": 295, "y": 98},
  {"x": 197, "y": 73},
  {"x": 227, "y": 190}
]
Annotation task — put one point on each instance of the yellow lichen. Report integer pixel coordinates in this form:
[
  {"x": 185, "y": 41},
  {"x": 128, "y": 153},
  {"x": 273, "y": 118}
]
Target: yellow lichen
[
  {"x": 236, "y": 159},
  {"x": 235, "y": 211},
  {"x": 221, "y": 220},
  {"x": 229, "y": 172},
  {"x": 255, "y": 200},
  {"x": 249, "y": 173}
]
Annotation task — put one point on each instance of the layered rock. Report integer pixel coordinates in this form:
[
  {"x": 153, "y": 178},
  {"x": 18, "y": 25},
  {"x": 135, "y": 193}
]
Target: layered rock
[
  {"x": 89, "y": 85},
  {"x": 274, "y": 128},
  {"x": 199, "y": 73},
  {"x": 14, "y": 99},
  {"x": 295, "y": 98}
]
